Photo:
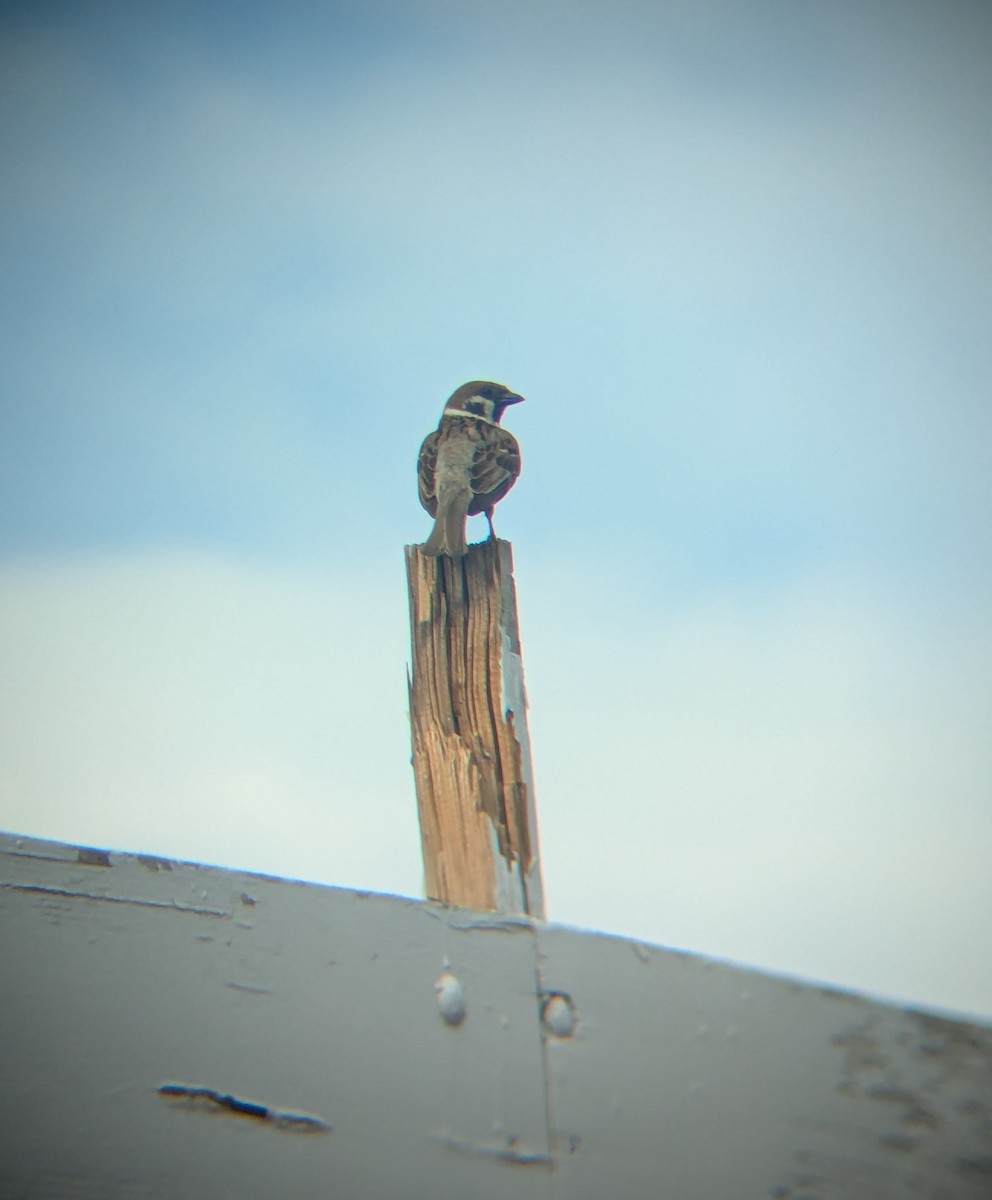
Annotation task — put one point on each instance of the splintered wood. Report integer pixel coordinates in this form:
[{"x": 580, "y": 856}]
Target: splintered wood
[{"x": 471, "y": 751}]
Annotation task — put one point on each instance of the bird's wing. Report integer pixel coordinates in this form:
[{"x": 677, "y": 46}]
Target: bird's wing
[
  {"x": 427, "y": 472},
  {"x": 495, "y": 467}
]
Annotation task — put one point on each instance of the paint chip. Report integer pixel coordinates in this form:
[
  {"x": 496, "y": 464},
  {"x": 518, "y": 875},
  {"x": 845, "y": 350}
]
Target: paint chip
[{"x": 208, "y": 1100}]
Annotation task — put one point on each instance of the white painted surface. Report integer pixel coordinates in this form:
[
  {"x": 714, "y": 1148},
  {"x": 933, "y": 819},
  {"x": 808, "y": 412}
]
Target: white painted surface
[{"x": 172, "y": 1030}]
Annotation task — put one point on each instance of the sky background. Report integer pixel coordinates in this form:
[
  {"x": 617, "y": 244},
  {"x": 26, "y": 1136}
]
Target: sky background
[{"x": 738, "y": 258}]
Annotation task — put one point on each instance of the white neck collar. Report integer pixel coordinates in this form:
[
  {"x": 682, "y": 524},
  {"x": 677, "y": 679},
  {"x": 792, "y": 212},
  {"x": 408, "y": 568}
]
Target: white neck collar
[{"x": 460, "y": 412}]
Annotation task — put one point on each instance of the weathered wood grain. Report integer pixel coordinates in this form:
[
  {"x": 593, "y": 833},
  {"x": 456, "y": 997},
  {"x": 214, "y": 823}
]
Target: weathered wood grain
[{"x": 471, "y": 751}]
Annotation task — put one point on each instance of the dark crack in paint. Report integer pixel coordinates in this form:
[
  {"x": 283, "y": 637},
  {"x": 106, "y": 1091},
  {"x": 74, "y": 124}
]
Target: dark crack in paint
[
  {"x": 509, "y": 1152},
  {"x": 153, "y": 864},
  {"x": 93, "y": 858},
  {"x": 172, "y": 906},
  {"x": 208, "y": 1100}
]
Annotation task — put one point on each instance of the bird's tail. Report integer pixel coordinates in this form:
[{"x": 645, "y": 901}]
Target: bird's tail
[{"x": 448, "y": 534}]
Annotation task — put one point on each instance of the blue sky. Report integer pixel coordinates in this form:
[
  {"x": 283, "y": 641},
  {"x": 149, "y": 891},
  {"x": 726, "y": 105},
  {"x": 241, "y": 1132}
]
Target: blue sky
[{"x": 738, "y": 258}]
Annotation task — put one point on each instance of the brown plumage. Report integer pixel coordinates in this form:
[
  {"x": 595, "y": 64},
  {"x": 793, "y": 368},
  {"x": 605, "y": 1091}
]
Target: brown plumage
[{"x": 468, "y": 464}]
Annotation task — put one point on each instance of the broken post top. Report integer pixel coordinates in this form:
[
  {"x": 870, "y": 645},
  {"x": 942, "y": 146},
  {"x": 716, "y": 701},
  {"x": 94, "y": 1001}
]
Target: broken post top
[{"x": 471, "y": 750}]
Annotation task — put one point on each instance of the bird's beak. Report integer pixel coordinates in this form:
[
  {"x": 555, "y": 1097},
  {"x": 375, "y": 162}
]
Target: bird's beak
[{"x": 511, "y": 398}]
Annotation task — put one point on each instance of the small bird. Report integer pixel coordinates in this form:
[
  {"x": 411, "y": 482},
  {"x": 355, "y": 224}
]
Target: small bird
[{"x": 467, "y": 464}]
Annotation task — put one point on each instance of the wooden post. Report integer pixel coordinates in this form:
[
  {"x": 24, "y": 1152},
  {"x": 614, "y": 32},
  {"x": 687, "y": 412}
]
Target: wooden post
[{"x": 471, "y": 750}]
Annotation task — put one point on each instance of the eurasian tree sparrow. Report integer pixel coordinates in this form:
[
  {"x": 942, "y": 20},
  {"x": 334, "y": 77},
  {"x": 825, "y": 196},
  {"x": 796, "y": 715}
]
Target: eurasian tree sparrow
[{"x": 467, "y": 464}]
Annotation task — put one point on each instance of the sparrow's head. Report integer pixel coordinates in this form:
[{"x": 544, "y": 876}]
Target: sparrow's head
[{"x": 484, "y": 400}]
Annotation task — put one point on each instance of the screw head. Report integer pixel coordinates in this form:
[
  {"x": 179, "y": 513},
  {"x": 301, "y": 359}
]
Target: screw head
[
  {"x": 451, "y": 1000},
  {"x": 558, "y": 1015}
]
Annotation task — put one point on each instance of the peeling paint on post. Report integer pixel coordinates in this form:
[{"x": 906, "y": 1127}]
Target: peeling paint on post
[{"x": 468, "y": 718}]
